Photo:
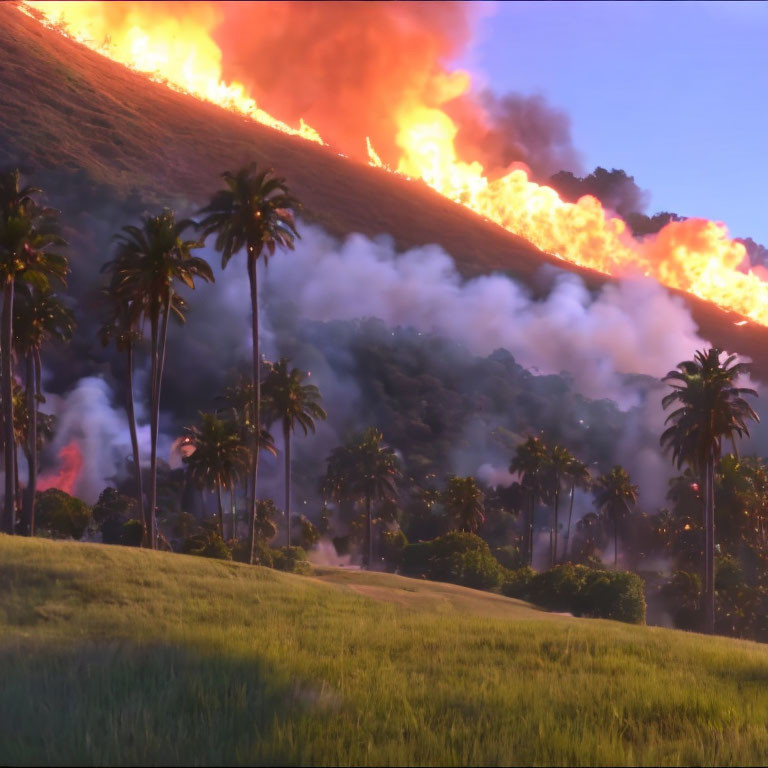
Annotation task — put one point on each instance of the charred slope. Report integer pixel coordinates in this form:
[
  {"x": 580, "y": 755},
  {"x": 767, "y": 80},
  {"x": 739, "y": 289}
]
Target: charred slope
[{"x": 88, "y": 128}]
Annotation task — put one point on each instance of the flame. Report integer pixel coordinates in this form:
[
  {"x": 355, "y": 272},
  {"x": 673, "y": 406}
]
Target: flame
[
  {"x": 70, "y": 462},
  {"x": 695, "y": 255},
  {"x": 175, "y": 50}
]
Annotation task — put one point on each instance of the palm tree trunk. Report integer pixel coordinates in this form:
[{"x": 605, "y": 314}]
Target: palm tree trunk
[
  {"x": 557, "y": 504},
  {"x": 615, "y": 541},
  {"x": 529, "y": 532},
  {"x": 6, "y": 370},
  {"x": 287, "y": 444},
  {"x": 28, "y": 510},
  {"x": 370, "y": 531},
  {"x": 233, "y": 506},
  {"x": 221, "y": 509},
  {"x": 709, "y": 555},
  {"x": 567, "y": 547},
  {"x": 134, "y": 436},
  {"x": 253, "y": 279}
]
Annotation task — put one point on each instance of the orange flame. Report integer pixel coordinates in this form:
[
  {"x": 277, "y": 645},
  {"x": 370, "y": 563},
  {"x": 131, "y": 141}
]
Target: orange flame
[
  {"x": 695, "y": 255},
  {"x": 65, "y": 478}
]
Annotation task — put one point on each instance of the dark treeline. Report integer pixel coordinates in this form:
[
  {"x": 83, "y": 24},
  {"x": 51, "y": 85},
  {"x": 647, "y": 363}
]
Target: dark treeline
[{"x": 394, "y": 484}]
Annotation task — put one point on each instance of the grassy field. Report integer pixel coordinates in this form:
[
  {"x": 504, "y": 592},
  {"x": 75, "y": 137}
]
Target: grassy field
[{"x": 118, "y": 656}]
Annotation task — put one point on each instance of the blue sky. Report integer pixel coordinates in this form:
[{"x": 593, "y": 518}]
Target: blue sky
[{"x": 675, "y": 93}]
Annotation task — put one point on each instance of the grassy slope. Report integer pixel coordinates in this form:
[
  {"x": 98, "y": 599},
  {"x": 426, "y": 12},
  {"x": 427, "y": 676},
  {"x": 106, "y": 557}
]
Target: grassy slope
[
  {"x": 110, "y": 655},
  {"x": 89, "y": 114}
]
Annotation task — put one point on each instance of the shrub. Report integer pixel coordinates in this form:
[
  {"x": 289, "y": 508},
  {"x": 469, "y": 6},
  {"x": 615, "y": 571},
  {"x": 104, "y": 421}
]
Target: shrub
[
  {"x": 477, "y": 569},
  {"x": 559, "y": 588},
  {"x": 132, "y": 533},
  {"x": 517, "y": 582},
  {"x": 290, "y": 559},
  {"x": 61, "y": 515},
  {"x": 458, "y": 558},
  {"x": 208, "y": 543},
  {"x": 617, "y": 595}
]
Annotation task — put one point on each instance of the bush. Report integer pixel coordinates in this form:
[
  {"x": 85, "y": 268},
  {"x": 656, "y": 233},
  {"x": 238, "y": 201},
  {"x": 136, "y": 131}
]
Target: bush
[
  {"x": 458, "y": 558},
  {"x": 582, "y": 591},
  {"x": 476, "y": 569},
  {"x": 290, "y": 559},
  {"x": 517, "y": 583},
  {"x": 208, "y": 543},
  {"x": 560, "y": 588},
  {"x": 128, "y": 533},
  {"x": 61, "y": 515},
  {"x": 617, "y": 595}
]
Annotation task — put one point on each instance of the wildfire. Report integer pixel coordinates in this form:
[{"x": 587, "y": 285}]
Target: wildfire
[
  {"x": 65, "y": 478},
  {"x": 695, "y": 255}
]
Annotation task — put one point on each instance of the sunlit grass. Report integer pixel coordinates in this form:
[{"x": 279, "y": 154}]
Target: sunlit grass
[{"x": 109, "y": 655}]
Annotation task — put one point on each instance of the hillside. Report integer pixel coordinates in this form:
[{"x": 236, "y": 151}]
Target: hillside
[
  {"x": 70, "y": 115},
  {"x": 118, "y": 656}
]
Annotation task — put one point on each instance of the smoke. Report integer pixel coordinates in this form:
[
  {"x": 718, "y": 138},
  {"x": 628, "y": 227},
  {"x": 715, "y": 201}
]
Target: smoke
[
  {"x": 369, "y": 62},
  {"x": 632, "y": 327},
  {"x": 501, "y": 130}
]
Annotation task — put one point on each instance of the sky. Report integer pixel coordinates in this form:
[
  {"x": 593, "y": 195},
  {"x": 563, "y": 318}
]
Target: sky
[{"x": 675, "y": 93}]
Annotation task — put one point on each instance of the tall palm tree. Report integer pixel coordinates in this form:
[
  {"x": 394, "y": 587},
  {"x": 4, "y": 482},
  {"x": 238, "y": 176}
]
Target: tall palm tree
[
  {"x": 530, "y": 461},
  {"x": 463, "y": 501},
  {"x": 151, "y": 260},
  {"x": 254, "y": 211},
  {"x": 709, "y": 409},
  {"x": 614, "y": 493},
  {"x": 39, "y": 317},
  {"x": 123, "y": 329},
  {"x": 28, "y": 233},
  {"x": 365, "y": 469},
  {"x": 218, "y": 457},
  {"x": 559, "y": 459},
  {"x": 579, "y": 476},
  {"x": 293, "y": 403}
]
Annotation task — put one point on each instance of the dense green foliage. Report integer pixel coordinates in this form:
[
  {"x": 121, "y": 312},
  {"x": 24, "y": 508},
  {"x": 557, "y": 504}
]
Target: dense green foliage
[
  {"x": 61, "y": 515},
  {"x": 581, "y": 591}
]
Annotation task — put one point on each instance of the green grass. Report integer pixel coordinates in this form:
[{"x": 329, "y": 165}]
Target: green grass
[{"x": 118, "y": 656}]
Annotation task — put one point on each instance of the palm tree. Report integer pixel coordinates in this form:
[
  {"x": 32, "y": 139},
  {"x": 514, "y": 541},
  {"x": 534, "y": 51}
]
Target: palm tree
[
  {"x": 558, "y": 461},
  {"x": 218, "y": 458},
  {"x": 120, "y": 327},
  {"x": 366, "y": 470},
  {"x": 150, "y": 261},
  {"x": 28, "y": 232},
  {"x": 710, "y": 408},
  {"x": 614, "y": 493},
  {"x": 255, "y": 212},
  {"x": 530, "y": 461},
  {"x": 239, "y": 400},
  {"x": 39, "y": 317},
  {"x": 293, "y": 403},
  {"x": 578, "y": 474},
  {"x": 463, "y": 501}
]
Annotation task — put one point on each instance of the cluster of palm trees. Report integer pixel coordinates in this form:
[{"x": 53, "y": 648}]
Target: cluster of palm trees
[
  {"x": 217, "y": 453},
  {"x": 32, "y": 315},
  {"x": 254, "y": 213}
]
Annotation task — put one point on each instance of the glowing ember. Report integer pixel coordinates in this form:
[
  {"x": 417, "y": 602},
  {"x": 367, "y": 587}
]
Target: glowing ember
[
  {"x": 694, "y": 255},
  {"x": 70, "y": 462}
]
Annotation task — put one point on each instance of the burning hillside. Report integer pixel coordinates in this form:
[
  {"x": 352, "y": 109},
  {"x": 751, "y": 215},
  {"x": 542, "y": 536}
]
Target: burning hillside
[{"x": 403, "y": 109}]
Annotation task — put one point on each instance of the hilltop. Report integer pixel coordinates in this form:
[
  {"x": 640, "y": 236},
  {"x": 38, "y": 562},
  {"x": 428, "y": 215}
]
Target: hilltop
[
  {"x": 111, "y": 655},
  {"x": 70, "y": 115}
]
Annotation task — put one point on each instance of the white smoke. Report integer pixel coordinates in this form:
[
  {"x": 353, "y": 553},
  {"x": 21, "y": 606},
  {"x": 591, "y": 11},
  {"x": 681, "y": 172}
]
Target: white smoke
[{"x": 633, "y": 326}]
